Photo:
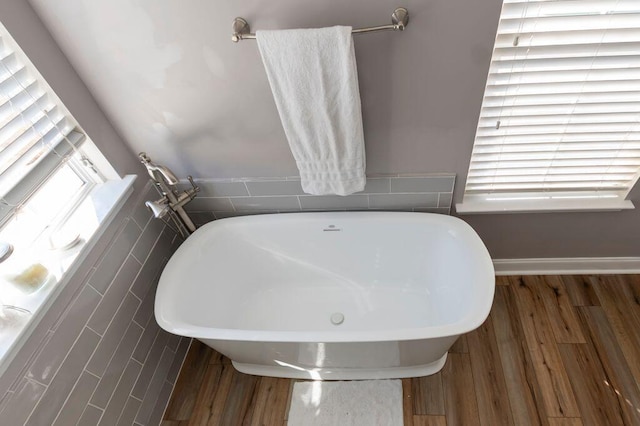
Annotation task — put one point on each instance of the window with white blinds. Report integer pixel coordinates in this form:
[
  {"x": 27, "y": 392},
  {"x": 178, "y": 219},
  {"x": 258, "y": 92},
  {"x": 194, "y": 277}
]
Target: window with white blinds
[
  {"x": 559, "y": 127},
  {"x": 37, "y": 135}
]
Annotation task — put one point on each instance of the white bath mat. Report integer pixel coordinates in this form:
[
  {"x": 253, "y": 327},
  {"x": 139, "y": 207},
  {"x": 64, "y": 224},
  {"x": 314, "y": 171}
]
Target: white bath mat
[{"x": 367, "y": 402}]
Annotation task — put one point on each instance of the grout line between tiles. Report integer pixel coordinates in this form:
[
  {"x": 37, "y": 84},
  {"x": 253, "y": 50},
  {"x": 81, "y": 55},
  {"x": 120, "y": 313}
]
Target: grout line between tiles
[
  {"x": 35, "y": 381},
  {"x": 156, "y": 337},
  {"x": 297, "y": 177},
  {"x": 129, "y": 219},
  {"x": 136, "y": 241},
  {"x": 109, "y": 325},
  {"x": 139, "y": 300},
  {"x": 43, "y": 394},
  {"x": 155, "y": 370},
  {"x": 6, "y": 399},
  {"x": 107, "y": 328},
  {"x": 137, "y": 341},
  {"x": 113, "y": 393},
  {"x": 88, "y": 284},
  {"x": 137, "y": 260},
  {"x": 91, "y": 374},
  {"x": 115, "y": 274},
  {"x": 65, "y": 400},
  {"x": 84, "y": 410},
  {"x": 94, "y": 375},
  {"x": 231, "y": 197},
  {"x": 87, "y": 326},
  {"x": 94, "y": 406},
  {"x": 173, "y": 385},
  {"x": 66, "y": 356},
  {"x": 155, "y": 241}
]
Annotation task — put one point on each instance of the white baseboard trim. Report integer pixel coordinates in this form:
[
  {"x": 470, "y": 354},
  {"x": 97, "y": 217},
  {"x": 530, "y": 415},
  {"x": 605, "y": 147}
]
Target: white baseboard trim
[{"x": 568, "y": 266}]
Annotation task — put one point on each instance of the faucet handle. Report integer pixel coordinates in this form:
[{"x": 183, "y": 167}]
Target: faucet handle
[{"x": 196, "y": 188}]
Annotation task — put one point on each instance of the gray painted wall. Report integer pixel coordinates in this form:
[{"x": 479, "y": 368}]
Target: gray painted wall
[{"x": 174, "y": 85}]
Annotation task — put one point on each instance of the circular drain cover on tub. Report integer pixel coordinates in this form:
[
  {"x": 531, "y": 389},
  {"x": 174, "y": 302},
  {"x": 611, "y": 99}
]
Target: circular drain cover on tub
[{"x": 337, "y": 318}]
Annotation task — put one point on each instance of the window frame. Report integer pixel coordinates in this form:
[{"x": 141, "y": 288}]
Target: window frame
[{"x": 526, "y": 200}]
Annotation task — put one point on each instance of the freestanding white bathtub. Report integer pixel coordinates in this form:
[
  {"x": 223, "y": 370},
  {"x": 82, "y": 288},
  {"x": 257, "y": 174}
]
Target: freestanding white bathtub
[{"x": 344, "y": 295}]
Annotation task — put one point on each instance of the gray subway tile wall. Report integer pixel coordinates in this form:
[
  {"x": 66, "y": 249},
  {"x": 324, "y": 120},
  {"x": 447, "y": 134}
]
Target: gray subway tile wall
[
  {"x": 444, "y": 200},
  {"x": 352, "y": 202},
  {"x": 65, "y": 379},
  {"x": 377, "y": 186},
  {"x": 279, "y": 187},
  {"x": 419, "y": 184},
  {"x": 130, "y": 410},
  {"x": 91, "y": 416},
  {"x": 400, "y": 201},
  {"x": 77, "y": 401},
  {"x": 115, "y": 407},
  {"x": 21, "y": 403},
  {"x": 155, "y": 387},
  {"x": 117, "y": 253},
  {"x": 55, "y": 350},
  {"x": 112, "y": 337},
  {"x": 102, "y": 359},
  {"x": 112, "y": 298},
  {"x": 219, "y": 199},
  {"x": 265, "y": 203},
  {"x": 117, "y": 364}
]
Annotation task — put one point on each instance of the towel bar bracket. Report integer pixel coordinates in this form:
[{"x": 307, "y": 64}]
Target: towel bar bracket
[
  {"x": 400, "y": 17},
  {"x": 240, "y": 29},
  {"x": 399, "y": 21}
]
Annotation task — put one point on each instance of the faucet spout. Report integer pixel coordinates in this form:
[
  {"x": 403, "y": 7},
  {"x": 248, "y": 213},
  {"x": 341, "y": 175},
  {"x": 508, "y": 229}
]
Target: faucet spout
[{"x": 152, "y": 167}]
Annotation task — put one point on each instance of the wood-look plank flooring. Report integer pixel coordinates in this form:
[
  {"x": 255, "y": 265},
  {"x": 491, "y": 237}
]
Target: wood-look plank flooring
[{"x": 555, "y": 351}]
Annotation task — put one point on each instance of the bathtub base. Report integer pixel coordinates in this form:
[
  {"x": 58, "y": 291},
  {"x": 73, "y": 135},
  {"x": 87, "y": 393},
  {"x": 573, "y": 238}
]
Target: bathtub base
[{"x": 294, "y": 372}]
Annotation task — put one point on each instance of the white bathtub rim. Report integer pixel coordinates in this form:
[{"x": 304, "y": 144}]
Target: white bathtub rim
[
  {"x": 468, "y": 323},
  {"x": 294, "y": 372},
  {"x": 463, "y": 326}
]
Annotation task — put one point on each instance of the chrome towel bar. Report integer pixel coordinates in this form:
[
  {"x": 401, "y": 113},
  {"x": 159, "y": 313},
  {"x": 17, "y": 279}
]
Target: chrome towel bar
[{"x": 399, "y": 20}]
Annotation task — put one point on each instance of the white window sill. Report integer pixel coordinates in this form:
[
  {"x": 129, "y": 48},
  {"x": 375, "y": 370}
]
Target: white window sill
[
  {"x": 100, "y": 207},
  {"x": 544, "y": 206}
]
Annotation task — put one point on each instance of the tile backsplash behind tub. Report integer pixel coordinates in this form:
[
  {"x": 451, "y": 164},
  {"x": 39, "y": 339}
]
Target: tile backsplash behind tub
[{"x": 222, "y": 198}]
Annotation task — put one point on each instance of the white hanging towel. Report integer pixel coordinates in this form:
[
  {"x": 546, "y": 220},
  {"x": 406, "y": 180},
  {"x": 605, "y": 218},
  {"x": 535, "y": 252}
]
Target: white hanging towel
[{"x": 313, "y": 77}]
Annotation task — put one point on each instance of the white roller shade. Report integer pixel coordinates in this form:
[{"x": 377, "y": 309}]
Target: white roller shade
[{"x": 560, "y": 117}]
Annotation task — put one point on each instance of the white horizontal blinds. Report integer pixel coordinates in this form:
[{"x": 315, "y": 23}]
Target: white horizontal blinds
[
  {"x": 31, "y": 122},
  {"x": 561, "y": 111}
]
